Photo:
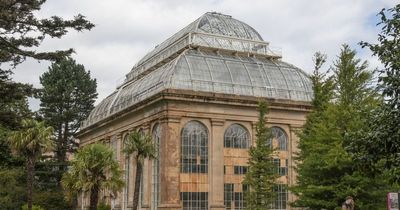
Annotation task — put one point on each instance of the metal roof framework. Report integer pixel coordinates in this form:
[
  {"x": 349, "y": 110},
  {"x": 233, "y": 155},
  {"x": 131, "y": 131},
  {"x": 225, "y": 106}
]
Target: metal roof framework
[{"x": 215, "y": 53}]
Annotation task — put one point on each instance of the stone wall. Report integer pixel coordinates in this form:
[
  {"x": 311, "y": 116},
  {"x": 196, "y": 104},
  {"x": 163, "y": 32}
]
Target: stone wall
[{"x": 172, "y": 111}]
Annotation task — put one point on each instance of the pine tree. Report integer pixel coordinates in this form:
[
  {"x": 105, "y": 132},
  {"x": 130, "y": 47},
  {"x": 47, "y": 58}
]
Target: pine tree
[
  {"x": 326, "y": 171},
  {"x": 322, "y": 85},
  {"x": 22, "y": 31},
  {"x": 261, "y": 176},
  {"x": 67, "y": 98}
]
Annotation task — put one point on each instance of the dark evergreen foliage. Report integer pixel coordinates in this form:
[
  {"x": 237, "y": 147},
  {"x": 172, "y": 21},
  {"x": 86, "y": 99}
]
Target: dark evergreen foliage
[
  {"x": 380, "y": 140},
  {"x": 13, "y": 188},
  {"x": 67, "y": 97},
  {"x": 22, "y": 31}
]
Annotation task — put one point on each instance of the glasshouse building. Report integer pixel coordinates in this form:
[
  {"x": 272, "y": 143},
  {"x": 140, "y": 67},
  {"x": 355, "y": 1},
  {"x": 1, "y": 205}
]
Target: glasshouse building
[{"x": 196, "y": 94}]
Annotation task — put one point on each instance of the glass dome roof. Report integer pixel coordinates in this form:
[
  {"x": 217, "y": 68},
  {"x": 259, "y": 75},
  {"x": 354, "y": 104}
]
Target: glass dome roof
[
  {"x": 210, "y": 23},
  {"x": 197, "y": 59}
]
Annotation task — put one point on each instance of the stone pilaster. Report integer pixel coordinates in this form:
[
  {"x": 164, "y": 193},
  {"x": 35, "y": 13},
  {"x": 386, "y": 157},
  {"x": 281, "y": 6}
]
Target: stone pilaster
[
  {"x": 118, "y": 196},
  {"x": 216, "y": 184},
  {"x": 253, "y": 133},
  {"x": 170, "y": 164},
  {"x": 146, "y": 179},
  {"x": 293, "y": 148}
]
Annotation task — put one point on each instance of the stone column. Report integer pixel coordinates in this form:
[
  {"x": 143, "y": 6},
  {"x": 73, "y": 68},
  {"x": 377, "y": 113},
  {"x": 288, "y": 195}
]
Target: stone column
[
  {"x": 132, "y": 176},
  {"x": 253, "y": 133},
  {"x": 216, "y": 184},
  {"x": 170, "y": 164},
  {"x": 293, "y": 148},
  {"x": 118, "y": 196},
  {"x": 146, "y": 179}
]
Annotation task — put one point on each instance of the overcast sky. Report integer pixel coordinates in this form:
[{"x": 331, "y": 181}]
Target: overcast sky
[{"x": 127, "y": 29}]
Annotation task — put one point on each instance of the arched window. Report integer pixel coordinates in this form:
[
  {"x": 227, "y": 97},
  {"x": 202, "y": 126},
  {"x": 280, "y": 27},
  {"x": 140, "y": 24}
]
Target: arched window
[
  {"x": 236, "y": 136},
  {"x": 280, "y": 136},
  {"x": 155, "y": 184},
  {"x": 194, "y": 148}
]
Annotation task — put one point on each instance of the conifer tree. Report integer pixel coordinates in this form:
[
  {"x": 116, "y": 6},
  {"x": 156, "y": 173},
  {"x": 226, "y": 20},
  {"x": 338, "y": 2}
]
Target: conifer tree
[
  {"x": 261, "y": 175},
  {"x": 22, "y": 33},
  {"x": 67, "y": 98},
  {"x": 326, "y": 171}
]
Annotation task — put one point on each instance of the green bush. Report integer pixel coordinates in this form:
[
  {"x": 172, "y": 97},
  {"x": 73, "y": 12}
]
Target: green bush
[
  {"x": 12, "y": 188},
  {"x": 34, "y": 207},
  {"x": 103, "y": 206}
]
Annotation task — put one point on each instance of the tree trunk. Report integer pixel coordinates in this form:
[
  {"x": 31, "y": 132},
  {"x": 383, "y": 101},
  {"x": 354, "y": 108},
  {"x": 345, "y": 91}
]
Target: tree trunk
[
  {"x": 65, "y": 141},
  {"x": 138, "y": 177},
  {"x": 60, "y": 144},
  {"x": 94, "y": 197},
  {"x": 30, "y": 167},
  {"x": 65, "y": 147}
]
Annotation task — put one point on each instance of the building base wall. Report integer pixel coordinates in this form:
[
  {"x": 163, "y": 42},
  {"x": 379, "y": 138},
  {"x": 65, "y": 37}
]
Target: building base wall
[
  {"x": 170, "y": 207},
  {"x": 217, "y": 207}
]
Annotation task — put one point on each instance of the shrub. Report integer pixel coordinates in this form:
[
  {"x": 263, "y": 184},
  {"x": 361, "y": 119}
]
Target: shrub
[
  {"x": 103, "y": 206},
  {"x": 34, "y": 207}
]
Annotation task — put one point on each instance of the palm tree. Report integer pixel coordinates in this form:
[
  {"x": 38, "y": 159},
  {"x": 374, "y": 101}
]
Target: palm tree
[
  {"x": 31, "y": 141},
  {"x": 142, "y": 146},
  {"x": 93, "y": 169}
]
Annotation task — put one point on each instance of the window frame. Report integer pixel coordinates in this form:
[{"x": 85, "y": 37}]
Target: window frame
[
  {"x": 282, "y": 142},
  {"x": 230, "y": 141},
  {"x": 194, "y": 148}
]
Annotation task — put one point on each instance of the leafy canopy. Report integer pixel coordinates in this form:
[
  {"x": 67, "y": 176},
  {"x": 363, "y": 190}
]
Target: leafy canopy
[
  {"x": 93, "y": 167},
  {"x": 140, "y": 145},
  {"x": 381, "y": 139},
  {"x": 34, "y": 139}
]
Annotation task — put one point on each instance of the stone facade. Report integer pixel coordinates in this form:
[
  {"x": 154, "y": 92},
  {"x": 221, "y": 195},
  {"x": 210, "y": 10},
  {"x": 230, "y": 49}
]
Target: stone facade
[{"x": 172, "y": 110}]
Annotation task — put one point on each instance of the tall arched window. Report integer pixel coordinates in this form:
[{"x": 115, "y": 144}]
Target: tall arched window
[
  {"x": 236, "y": 136},
  {"x": 155, "y": 184},
  {"x": 281, "y": 137},
  {"x": 194, "y": 166},
  {"x": 194, "y": 148}
]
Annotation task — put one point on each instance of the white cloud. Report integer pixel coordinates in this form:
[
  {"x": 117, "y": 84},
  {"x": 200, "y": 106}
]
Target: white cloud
[{"x": 127, "y": 29}]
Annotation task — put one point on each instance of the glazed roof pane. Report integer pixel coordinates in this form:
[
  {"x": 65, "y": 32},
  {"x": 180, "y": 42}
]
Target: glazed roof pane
[{"x": 229, "y": 57}]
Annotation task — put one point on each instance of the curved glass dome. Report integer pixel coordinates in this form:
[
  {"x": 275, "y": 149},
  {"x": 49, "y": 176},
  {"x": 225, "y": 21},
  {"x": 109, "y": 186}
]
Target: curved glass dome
[
  {"x": 208, "y": 68},
  {"x": 210, "y": 23}
]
